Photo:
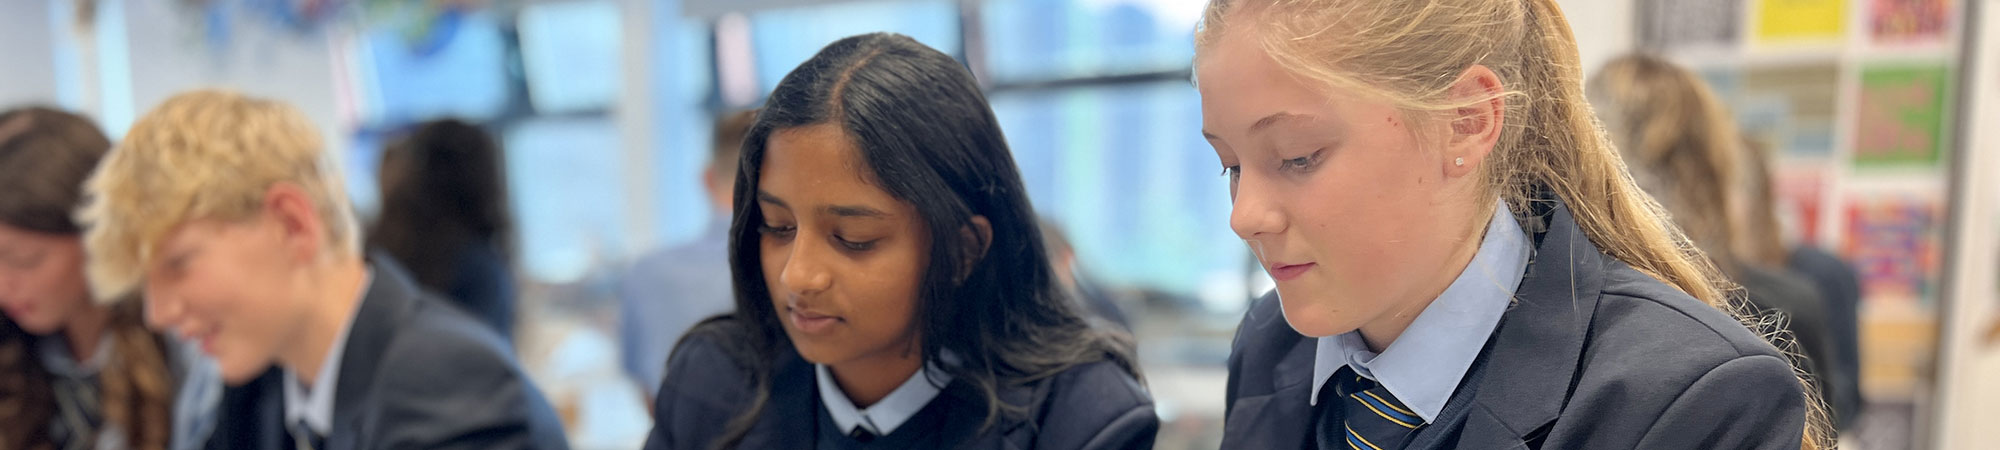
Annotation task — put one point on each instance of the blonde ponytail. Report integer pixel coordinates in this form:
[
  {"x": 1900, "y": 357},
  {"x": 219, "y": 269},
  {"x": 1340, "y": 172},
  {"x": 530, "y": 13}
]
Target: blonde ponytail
[{"x": 1410, "y": 53}]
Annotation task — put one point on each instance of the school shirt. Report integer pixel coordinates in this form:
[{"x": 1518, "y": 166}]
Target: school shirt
[
  {"x": 313, "y": 407},
  {"x": 842, "y": 426},
  {"x": 1424, "y": 365}
]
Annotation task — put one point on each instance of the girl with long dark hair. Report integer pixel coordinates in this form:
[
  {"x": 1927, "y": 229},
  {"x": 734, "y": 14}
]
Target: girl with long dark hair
[{"x": 892, "y": 288}]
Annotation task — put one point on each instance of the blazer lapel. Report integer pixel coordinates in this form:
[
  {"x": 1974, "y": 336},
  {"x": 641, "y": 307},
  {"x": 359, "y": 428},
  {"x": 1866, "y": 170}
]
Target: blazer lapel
[
  {"x": 1540, "y": 340},
  {"x": 389, "y": 299}
]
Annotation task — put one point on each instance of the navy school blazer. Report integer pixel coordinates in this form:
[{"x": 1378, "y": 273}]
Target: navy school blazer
[
  {"x": 1096, "y": 406},
  {"x": 1593, "y": 354},
  {"x": 417, "y": 373}
]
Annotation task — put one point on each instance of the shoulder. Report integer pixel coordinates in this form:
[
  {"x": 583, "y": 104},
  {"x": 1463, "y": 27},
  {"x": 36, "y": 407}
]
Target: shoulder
[
  {"x": 710, "y": 368},
  {"x": 717, "y": 343},
  {"x": 1655, "y": 356},
  {"x": 1637, "y": 308},
  {"x": 483, "y": 262},
  {"x": 443, "y": 377},
  {"x": 1650, "y": 343},
  {"x": 436, "y": 327},
  {"x": 1099, "y": 405},
  {"x": 1263, "y": 336},
  {"x": 1263, "y": 340},
  {"x": 481, "y": 255},
  {"x": 1811, "y": 259},
  {"x": 1782, "y": 290},
  {"x": 1101, "y": 387},
  {"x": 709, "y": 382},
  {"x": 1777, "y": 279},
  {"x": 440, "y": 350}
]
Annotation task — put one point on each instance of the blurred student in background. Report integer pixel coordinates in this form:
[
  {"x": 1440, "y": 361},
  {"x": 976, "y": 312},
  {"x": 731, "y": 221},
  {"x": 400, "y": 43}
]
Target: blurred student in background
[
  {"x": 1089, "y": 295},
  {"x": 667, "y": 291},
  {"x": 444, "y": 217},
  {"x": 1461, "y": 259},
  {"x": 892, "y": 287},
  {"x": 1765, "y": 243},
  {"x": 74, "y": 373},
  {"x": 1683, "y": 148},
  {"x": 229, "y": 214}
]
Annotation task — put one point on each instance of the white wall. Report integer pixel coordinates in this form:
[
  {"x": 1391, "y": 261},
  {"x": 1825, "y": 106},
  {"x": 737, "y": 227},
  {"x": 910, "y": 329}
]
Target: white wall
[
  {"x": 1604, "y": 29},
  {"x": 140, "y": 52},
  {"x": 168, "y": 54},
  {"x": 27, "y": 46},
  {"x": 1968, "y": 393}
]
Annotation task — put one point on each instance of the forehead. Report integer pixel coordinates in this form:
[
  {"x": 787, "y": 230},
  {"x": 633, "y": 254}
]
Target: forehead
[
  {"x": 1233, "y": 59},
  {"x": 191, "y": 234},
  {"x": 15, "y": 238},
  {"x": 818, "y": 165},
  {"x": 1244, "y": 89},
  {"x": 1240, "y": 84}
]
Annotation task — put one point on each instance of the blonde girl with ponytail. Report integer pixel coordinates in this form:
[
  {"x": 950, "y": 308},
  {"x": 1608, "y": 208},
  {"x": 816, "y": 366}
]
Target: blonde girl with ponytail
[{"x": 1462, "y": 260}]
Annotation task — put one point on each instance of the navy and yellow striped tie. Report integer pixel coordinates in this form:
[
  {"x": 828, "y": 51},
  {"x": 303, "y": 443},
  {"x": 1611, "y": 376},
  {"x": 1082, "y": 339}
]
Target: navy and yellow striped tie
[{"x": 1369, "y": 417}]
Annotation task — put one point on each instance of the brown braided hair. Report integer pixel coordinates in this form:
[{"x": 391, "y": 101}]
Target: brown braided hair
[{"x": 45, "y": 155}]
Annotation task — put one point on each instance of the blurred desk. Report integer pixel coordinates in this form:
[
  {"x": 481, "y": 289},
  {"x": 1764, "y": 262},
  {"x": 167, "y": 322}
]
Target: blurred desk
[{"x": 571, "y": 354}]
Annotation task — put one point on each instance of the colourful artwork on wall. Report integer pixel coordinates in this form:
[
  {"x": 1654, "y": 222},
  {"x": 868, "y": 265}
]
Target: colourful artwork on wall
[
  {"x": 1789, "y": 107},
  {"x": 1892, "y": 241},
  {"x": 1901, "y": 115},
  {"x": 1797, "y": 20},
  {"x": 1892, "y": 21}
]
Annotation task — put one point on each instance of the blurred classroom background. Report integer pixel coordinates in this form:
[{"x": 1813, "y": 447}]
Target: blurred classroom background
[{"x": 1884, "y": 112}]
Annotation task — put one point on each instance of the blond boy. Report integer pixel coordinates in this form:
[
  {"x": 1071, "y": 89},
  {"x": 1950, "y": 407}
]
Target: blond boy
[{"x": 227, "y": 213}]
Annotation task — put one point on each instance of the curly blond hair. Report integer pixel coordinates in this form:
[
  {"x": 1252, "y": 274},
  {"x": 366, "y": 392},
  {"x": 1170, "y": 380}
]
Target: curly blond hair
[{"x": 200, "y": 155}]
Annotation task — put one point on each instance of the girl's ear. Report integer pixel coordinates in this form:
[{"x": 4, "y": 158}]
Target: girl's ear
[
  {"x": 976, "y": 235},
  {"x": 1475, "y": 128}
]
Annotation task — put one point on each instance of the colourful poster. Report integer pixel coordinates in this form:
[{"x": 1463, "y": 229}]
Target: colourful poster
[
  {"x": 1789, "y": 107},
  {"x": 1893, "y": 21},
  {"x": 1893, "y": 244},
  {"x": 1902, "y": 115},
  {"x": 1795, "y": 20}
]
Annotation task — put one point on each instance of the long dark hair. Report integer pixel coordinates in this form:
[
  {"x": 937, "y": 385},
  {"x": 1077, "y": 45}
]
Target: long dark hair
[
  {"x": 446, "y": 191},
  {"x": 45, "y": 155},
  {"x": 926, "y": 132}
]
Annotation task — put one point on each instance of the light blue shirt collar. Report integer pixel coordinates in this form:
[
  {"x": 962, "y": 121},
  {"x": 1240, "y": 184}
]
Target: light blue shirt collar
[
  {"x": 196, "y": 397},
  {"x": 1424, "y": 365},
  {"x": 884, "y": 416},
  {"x": 315, "y": 405},
  {"x": 58, "y": 360}
]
